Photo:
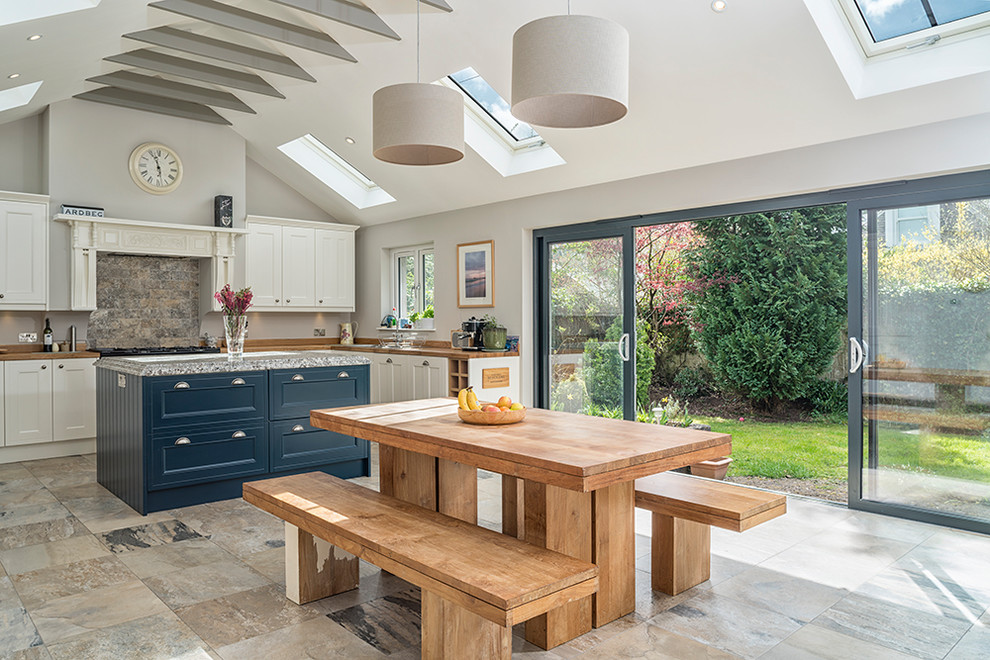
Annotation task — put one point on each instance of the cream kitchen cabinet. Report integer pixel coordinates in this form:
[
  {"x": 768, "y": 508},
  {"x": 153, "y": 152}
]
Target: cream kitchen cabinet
[
  {"x": 48, "y": 400},
  {"x": 397, "y": 377},
  {"x": 298, "y": 265},
  {"x": 429, "y": 377},
  {"x": 23, "y": 251}
]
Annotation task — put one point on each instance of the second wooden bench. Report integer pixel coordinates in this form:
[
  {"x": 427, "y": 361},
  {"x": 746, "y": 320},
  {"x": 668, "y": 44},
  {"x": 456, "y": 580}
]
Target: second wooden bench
[
  {"x": 476, "y": 583},
  {"x": 684, "y": 509}
]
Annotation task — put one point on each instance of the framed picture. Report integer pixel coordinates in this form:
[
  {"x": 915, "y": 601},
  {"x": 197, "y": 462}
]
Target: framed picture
[{"x": 475, "y": 266}]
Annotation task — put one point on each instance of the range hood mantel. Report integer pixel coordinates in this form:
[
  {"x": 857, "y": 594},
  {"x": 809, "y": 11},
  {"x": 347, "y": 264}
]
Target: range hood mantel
[{"x": 93, "y": 235}]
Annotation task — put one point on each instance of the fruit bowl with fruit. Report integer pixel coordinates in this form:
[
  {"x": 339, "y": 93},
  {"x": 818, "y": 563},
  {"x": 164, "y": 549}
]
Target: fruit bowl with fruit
[{"x": 472, "y": 411}]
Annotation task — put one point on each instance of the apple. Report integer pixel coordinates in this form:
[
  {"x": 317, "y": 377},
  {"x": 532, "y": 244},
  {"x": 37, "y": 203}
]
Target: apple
[
  {"x": 504, "y": 402},
  {"x": 517, "y": 406},
  {"x": 503, "y": 409},
  {"x": 491, "y": 408}
]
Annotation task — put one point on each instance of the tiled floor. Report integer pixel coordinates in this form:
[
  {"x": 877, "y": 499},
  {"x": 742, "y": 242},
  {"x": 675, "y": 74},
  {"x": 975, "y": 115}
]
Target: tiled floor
[{"x": 83, "y": 576}]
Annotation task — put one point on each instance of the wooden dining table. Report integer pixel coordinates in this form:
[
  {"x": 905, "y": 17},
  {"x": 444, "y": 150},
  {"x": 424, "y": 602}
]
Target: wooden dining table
[{"x": 567, "y": 484}]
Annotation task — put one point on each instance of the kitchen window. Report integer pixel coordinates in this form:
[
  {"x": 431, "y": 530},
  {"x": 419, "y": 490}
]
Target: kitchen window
[{"x": 412, "y": 279}]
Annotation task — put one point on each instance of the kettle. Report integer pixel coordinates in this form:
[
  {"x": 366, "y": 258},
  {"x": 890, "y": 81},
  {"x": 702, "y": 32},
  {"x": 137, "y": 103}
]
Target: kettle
[{"x": 347, "y": 331}]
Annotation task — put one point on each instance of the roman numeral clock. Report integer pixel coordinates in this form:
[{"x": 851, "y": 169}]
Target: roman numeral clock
[{"x": 155, "y": 168}]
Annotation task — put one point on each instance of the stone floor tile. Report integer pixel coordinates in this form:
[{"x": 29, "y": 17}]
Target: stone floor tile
[
  {"x": 647, "y": 641},
  {"x": 975, "y": 645},
  {"x": 146, "y": 535},
  {"x": 270, "y": 563},
  {"x": 26, "y": 484},
  {"x": 727, "y": 624},
  {"x": 158, "y": 637},
  {"x": 41, "y": 532},
  {"x": 236, "y": 526},
  {"x": 371, "y": 587},
  {"x": 390, "y": 623},
  {"x": 73, "y": 478},
  {"x": 231, "y": 619},
  {"x": 201, "y": 583},
  {"x": 43, "y": 555},
  {"x": 598, "y": 636},
  {"x": 316, "y": 638},
  {"x": 816, "y": 643},
  {"x": 934, "y": 590},
  {"x": 14, "y": 472},
  {"x": 79, "y": 491},
  {"x": 649, "y": 603},
  {"x": 17, "y": 630},
  {"x": 897, "y": 627},
  {"x": 46, "y": 584},
  {"x": 33, "y": 653},
  {"x": 18, "y": 498},
  {"x": 801, "y": 600},
  {"x": 171, "y": 557},
  {"x": 68, "y": 617},
  {"x": 887, "y": 527},
  {"x": 15, "y": 516},
  {"x": 60, "y": 465},
  {"x": 118, "y": 516},
  {"x": 3, "y": 571}
]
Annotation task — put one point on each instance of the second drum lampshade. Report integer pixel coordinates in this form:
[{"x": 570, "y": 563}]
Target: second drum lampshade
[{"x": 418, "y": 124}]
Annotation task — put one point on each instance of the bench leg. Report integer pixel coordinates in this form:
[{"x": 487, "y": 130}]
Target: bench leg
[
  {"x": 681, "y": 554},
  {"x": 314, "y": 569},
  {"x": 451, "y": 632}
]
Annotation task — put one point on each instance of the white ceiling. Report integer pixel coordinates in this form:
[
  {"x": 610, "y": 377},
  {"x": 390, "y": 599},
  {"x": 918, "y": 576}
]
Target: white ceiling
[{"x": 704, "y": 87}]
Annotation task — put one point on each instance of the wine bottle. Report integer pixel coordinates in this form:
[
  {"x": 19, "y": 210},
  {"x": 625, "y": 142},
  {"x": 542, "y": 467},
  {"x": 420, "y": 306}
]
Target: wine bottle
[{"x": 48, "y": 336}]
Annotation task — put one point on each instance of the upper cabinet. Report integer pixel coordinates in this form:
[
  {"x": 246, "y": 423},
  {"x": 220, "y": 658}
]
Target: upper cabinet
[
  {"x": 297, "y": 265},
  {"x": 23, "y": 251}
]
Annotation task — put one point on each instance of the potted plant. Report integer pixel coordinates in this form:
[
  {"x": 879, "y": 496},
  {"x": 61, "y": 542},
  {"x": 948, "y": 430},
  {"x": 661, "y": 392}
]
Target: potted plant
[
  {"x": 423, "y": 320},
  {"x": 493, "y": 334}
]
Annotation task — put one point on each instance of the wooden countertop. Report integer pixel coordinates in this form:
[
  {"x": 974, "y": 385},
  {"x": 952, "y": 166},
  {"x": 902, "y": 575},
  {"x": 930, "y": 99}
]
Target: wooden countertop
[
  {"x": 12, "y": 352},
  {"x": 428, "y": 351}
]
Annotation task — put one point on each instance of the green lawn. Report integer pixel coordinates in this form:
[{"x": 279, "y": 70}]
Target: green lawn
[{"x": 818, "y": 450}]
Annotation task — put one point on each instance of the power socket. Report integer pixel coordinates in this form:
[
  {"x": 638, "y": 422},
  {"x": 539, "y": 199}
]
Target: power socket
[
  {"x": 27, "y": 338},
  {"x": 319, "y": 332}
]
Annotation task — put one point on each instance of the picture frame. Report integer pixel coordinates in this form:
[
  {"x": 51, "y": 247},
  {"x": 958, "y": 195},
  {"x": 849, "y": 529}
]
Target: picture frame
[{"x": 475, "y": 274}]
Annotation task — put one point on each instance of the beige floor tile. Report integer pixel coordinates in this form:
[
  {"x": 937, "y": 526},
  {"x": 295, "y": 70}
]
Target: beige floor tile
[
  {"x": 67, "y": 617},
  {"x": 78, "y": 491},
  {"x": 270, "y": 563},
  {"x": 207, "y": 582},
  {"x": 14, "y": 472},
  {"x": 47, "y": 584},
  {"x": 119, "y": 516},
  {"x": 73, "y": 478},
  {"x": 33, "y": 653},
  {"x": 799, "y": 599},
  {"x": 317, "y": 639},
  {"x": 15, "y": 516},
  {"x": 26, "y": 483},
  {"x": 158, "y": 637},
  {"x": 64, "y": 551},
  {"x": 816, "y": 643},
  {"x": 647, "y": 641},
  {"x": 41, "y": 532},
  {"x": 371, "y": 587},
  {"x": 3, "y": 571},
  {"x": 975, "y": 645},
  {"x": 147, "y": 534},
  {"x": 26, "y": 497},
  {"x": 171, "y": 557},
  {"x": 17, "y": 630},
  {"x": 235, "y": 526},
  {"x": 908, "y": 531}
]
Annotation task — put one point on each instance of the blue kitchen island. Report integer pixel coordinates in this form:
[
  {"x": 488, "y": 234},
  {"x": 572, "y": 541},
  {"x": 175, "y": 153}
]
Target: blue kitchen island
[{"x": 186, "y": 429}]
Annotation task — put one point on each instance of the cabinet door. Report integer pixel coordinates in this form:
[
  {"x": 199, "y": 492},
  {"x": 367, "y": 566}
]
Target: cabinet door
[
  {"x": 27, "y": 401},
  {"x": 429, "y": 378},
  {"x": 73, "y": 399},
  {"x": 402, "y": 378},
  {"x": 23, "y": 254},
  {"x": 298, "y": 263},
  {"x": 264, "y": 264},
  {"x": 335, "y": 269},
  {"x": 382, "y": 379}
]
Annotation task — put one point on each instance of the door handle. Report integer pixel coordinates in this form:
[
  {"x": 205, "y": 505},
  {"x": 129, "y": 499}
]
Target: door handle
[
  {"x": 856, "y": 355},
  {"x": 297, "y": 428},
  {"x": 183, "y": 441},
  {"x": 298, "y": 377},
  {"x": 624, "y": 347},
  {"x": 239, "y": 434},
  {"x": 343, "y": 374},
  {"x": 181, "y": 385},
  {"x": 237, "y": 381}
]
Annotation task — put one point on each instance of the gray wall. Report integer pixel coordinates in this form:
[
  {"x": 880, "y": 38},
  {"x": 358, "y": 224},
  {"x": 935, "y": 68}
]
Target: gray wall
[
  {"x": 268, "y": 195},
  {"x": 22, "y": 158}
]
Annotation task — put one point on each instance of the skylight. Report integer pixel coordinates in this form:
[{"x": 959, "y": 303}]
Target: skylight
[
  {"x": 334, "y": 172},
  {"x": 888, "y": 19},
  {"x": 492, "y": 103},
  {"x": 15, "y": 97},
  {"x": 18, "y": 11}
]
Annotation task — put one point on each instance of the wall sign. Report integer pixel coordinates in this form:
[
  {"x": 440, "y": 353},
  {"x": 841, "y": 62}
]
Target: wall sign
[
  {"x": 492, "y": 378},
  {"x": 82, "y": 211}
]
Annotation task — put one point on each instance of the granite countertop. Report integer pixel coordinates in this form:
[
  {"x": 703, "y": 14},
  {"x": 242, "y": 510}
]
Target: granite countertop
[{"x": 175, "y": 365}]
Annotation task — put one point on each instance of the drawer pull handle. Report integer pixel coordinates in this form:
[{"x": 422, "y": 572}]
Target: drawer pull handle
[
  {"x": 237, "y": 381},
  {"x": 297, "y": 428},
  {"x": 183, "y": 441},
  {"x": 181, "y": 385},
  {"x": 343, "y": 374},
  {"x": 298, "y": 377},
  {"x": 239, "y": 434}
]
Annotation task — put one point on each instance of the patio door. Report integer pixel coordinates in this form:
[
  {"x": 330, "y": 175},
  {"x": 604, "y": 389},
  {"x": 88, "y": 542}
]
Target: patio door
[
  {"x": 920, "y": 357},
  {"x": 585, "y": 325}
]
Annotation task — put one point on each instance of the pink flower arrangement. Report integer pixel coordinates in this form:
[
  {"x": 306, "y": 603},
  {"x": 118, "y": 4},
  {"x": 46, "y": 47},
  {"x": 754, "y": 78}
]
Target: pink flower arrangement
[{"x": 234, "y": 304}]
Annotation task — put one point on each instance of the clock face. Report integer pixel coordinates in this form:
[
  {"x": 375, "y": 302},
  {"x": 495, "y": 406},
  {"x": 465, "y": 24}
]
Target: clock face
[{"x": 155, "y": 168}]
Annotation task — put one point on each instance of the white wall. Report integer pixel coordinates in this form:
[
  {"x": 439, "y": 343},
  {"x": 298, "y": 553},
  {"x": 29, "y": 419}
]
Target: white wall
[
  {"x": 957, "y": 145},
  {"x": 22, "y": 155},
  {"x": 268, "y": 195}
]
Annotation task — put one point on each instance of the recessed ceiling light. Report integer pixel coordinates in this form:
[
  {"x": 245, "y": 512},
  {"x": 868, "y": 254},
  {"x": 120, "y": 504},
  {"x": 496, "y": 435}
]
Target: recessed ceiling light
[
  {"x": 34, "y": 37},
  {"x": 719, "y": 5},
  {"x": 14, "y": 75},
  {"x": 349, "y": 140}
]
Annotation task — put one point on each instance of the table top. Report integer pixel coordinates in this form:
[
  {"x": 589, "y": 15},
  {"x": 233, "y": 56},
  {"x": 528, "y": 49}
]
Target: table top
[
  {"x": 928, "y": 375},
  {"x": 572, "y": 451}
]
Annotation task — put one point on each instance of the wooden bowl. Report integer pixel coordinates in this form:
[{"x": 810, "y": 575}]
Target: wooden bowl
[{"x": 482, "y": 418}]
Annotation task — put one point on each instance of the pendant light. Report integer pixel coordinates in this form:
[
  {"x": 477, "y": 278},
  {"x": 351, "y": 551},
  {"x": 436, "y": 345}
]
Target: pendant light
[
  {"x": 418, "y": 123},
  {"x": 570, "y": 71}
]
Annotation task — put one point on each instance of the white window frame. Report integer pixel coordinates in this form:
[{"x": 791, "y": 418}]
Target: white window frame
[
  {"x": 913, "y": 39},
  {"x": 418, "y": 252}
]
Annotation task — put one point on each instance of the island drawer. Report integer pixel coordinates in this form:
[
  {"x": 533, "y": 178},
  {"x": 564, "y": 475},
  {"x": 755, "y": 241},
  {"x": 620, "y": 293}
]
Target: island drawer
[
  {"x": 202, "y": 398},
  {"x": 210, "y": 454},
  {"x": 294, "y": 443},
  {"x": 294, "y": 392}
]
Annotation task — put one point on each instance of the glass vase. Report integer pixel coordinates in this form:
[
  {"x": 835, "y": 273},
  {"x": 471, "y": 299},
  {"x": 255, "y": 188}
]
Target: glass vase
[{"x": 235, "y": 329}]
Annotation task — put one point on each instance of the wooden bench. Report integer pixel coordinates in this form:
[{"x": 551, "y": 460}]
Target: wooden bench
[
  {"x": 476, "y": 583},
  {"x": 684, "y": 509}
]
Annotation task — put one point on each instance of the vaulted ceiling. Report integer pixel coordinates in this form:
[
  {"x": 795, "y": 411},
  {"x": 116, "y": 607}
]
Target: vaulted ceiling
[{"x": 704, "y": 86}]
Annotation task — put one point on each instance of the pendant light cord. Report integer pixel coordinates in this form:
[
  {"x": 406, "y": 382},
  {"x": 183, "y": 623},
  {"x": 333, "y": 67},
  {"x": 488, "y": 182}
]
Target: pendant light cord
[{"x": 417, "y": 38}]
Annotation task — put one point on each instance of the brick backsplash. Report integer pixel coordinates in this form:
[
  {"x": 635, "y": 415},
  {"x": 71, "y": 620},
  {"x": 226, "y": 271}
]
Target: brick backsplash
[{"x": 145, "y": 301}]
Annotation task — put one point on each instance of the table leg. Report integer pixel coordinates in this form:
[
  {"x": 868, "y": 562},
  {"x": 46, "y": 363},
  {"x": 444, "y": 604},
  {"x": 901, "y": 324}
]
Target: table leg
[
  {"x": 614, "y": 551},
  {"x": 314, "y": 569},
  {"x": 457, "y": 490},
  {"x": 386, "y": 468},
  {"x": 513, "y": 517},
  {"x": 560, "y": 520},
  {"x": 410, "y": 476}
]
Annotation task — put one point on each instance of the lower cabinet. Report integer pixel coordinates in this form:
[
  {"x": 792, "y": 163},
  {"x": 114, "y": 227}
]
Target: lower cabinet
[
  {"x": 48, "y": 400},
  {"x": 407, "y": 377},
  {"x": 208, "y": 454},
  {"x": 294, "y": 443}
]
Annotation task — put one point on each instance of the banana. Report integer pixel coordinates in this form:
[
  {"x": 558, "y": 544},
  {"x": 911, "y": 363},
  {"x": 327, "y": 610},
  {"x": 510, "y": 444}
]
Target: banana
[
  {"x": 472, "y": 400},
  {"x": 462, "y": 399}
]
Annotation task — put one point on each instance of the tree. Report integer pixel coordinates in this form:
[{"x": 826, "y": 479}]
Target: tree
[{"x": 769, "y": 299}]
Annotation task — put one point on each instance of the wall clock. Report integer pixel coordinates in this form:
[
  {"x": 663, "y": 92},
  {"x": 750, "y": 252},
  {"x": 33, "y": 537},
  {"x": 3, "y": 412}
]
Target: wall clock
[{"x": 155, "y": 168}]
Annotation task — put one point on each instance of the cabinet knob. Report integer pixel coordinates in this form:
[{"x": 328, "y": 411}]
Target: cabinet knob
[
  {"x": 239, "y": 434},
  {"x": 61, "y": 366},
  {"x": 321, "y": 301},
  {"x": 388, "y": 361},
  {"x": 298, "y": 377},
  {"x": 287, "y": 301},
  {"x": 1, "y": 295},
  {"x": 44, "y": 366},
  {"x": 183, "y": 441},
  {"x": 181, "y": 385},
  {"x": 237, "y": 381},
  {"x": 276, "y": 300},
  {"x": 297, "y": 428},
  {"x": 426, "y": 363},
  {"x": 343, "y": 374}
]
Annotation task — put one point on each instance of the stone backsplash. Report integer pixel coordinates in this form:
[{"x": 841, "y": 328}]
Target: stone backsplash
[{"x": 145, "y": 301}]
